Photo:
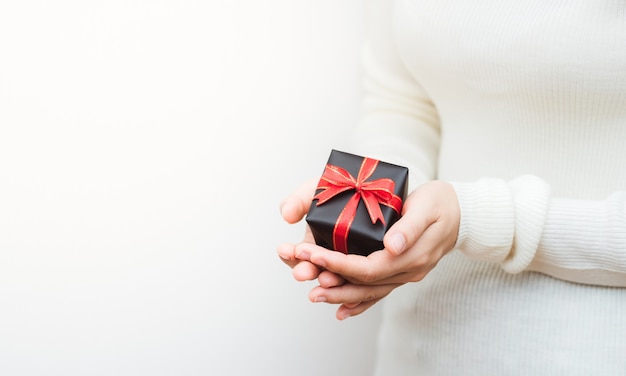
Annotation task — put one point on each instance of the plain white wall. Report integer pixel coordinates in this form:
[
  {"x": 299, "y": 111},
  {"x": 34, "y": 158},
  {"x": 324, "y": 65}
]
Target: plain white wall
[{"x": 144, "y": 148}]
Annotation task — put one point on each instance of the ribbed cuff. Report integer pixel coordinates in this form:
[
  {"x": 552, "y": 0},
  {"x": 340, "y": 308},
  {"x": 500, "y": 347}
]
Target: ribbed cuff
[
  {"x": 502, "y": 222},
  {"x": 487, "y": 219},
  {"x": 531, "y": 196}
]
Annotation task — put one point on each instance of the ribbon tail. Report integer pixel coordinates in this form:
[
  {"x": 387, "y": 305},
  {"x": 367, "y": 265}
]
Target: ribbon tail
[
  {"x": 373, "y": 207},
  {"x": 343, "y": 224}
]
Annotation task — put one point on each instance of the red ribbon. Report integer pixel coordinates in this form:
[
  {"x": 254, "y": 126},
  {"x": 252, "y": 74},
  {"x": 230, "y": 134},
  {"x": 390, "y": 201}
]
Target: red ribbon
[{"x": 336, "y": 180}]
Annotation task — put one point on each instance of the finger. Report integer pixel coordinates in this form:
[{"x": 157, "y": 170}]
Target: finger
[
  {"x": 295, "y": 206},
  {"x": 346, "y": 310},
  {"x": 417, "y": 215},
  {"x": 286, "y": 252},
  {"x": 403, "y": 277},
  {"x": 304, "y": 250},
  {"x": 328, "y": 279},
  {"x": 305, "y": 271},
  {"x": 356, "y": 268},
  {"x": 379, "y": 268},
  {"x": 350, "y": 293}
]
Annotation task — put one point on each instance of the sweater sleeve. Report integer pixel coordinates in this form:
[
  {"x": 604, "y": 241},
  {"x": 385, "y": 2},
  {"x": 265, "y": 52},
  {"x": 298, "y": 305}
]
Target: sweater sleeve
[
  {"x": 518, "y": 225},
  {"x": 399, "y": 122}
]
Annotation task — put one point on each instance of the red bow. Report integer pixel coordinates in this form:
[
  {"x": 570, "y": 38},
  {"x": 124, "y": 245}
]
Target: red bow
[{"x": 336, "y": 180}]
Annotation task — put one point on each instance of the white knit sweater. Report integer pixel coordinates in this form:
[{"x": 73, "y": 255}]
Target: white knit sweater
[{"x": 522, "y": 105}]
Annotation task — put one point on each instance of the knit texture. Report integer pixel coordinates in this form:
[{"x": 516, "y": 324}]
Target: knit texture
[{"x": 522, "y": 107}]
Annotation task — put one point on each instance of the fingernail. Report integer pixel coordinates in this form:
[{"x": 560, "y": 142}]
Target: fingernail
[
  {"x": 344, "y": 316},
  {"x": 283, "y": 205},
  {"x": 320, "y": 299},
  {"x": 397, "y": 243},
  {"x": 303, "y": 255}
]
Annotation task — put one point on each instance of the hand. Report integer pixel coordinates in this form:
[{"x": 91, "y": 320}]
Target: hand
[
  {"x": 414, "y": 245},
  {"x": 293, "y": 208}
]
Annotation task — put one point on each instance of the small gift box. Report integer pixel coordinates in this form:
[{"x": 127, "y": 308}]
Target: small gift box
[{"x": 357, "y": 200}]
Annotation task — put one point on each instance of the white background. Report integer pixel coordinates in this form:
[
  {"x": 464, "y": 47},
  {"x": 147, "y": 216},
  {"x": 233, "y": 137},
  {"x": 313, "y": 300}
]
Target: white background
[{"x": 144, "y": 148}]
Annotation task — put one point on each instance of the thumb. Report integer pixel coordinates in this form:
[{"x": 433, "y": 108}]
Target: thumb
[
  {"x": 406, "y": 231},
  {"x": 295, "y": 206}
]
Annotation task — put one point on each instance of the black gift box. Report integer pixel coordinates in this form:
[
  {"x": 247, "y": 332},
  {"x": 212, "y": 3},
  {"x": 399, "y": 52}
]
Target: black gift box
[{"x": 363, "y": 236}]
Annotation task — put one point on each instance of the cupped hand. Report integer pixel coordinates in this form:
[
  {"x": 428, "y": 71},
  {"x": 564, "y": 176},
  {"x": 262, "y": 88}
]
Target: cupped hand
[{"x": 414, "y": 245}]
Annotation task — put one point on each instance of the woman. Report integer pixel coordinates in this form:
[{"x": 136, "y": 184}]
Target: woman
[{"x": 510, "y": 257}]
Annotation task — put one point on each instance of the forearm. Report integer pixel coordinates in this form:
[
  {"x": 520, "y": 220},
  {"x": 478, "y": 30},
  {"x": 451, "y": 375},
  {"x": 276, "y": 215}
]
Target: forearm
[{"x": 585, "y": 241}]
